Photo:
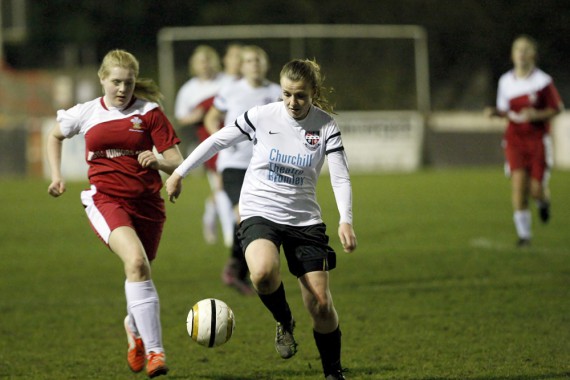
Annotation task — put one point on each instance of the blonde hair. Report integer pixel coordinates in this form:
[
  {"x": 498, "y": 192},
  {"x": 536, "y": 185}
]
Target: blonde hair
[
  {"x": 530, "y": 40},
  {"x": 211, "y": 55},
  {"x": 144, "y": 88},
  {"x": 309, "y": 71}
]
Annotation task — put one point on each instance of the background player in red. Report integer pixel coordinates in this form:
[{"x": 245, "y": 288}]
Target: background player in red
[
  {"x": 527, "y": 97},
  {"x": 124, "y": 205}
]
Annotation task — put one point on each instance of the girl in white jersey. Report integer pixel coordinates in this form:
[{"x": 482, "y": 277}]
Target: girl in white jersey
[
  {"x": 124, "y": 205},
  {"x": 233, "y": 100},
  {"x": 278, "y": 203},
  {"x": 193, "y": 100}
]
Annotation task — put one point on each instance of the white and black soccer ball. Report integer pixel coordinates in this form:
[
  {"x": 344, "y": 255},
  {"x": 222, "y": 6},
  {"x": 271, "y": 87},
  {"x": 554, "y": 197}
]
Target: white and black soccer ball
[{"x": 210, "y": 322}]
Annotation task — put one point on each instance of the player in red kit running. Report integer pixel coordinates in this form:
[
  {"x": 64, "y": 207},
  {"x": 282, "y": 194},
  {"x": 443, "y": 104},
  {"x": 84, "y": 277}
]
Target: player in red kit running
[
  {"x": 124, "y": 205},
  {"x": 527, "y": 97}
]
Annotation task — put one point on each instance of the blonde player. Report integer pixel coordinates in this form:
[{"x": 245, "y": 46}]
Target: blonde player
[
  {"x": 528, "y": 98},
  {"x": 124, "y": 204},
  {"x": 278, "y": 204},
  {"x": 193, "y": 101},
  {"x": 233, "y": 100}
]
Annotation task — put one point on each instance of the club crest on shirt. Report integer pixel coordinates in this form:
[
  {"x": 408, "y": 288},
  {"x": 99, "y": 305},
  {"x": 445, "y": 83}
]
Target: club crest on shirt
[
  {"x": 312, "y": 139},
  {"x": 137, "y": 124}
]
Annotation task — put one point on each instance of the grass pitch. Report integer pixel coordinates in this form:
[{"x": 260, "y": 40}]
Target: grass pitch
[{"x": 436, "y": 289}]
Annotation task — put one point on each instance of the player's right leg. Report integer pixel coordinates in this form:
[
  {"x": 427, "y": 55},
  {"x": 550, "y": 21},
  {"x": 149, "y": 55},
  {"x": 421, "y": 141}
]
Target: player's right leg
[
  {"x": 521, "y": 215},
  {"x": 262, "y": 256}
]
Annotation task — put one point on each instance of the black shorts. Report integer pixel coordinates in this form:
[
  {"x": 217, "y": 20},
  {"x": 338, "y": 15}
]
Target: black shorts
[
  {"x": 306, "y": 248},
  {"x": 232, "y": 180}
]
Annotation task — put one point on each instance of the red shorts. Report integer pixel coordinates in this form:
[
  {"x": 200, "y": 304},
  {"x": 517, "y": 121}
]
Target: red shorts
[
  {"x": 532, "y": 155},
  {"x": 146, "y": 216}
]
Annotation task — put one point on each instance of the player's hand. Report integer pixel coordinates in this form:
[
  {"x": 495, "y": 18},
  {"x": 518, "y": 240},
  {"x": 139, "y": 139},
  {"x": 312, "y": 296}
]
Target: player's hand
[
  {"x": 56, "y": 188},
  {"x": 519, "y": 117},
  {"x": 347, "y": 237},
  {"x": 529, "y": 114},
  {"x": 173, "y": 187},
  {"x": 147, "y": 159},
  {"x": 490, "y": 112}
]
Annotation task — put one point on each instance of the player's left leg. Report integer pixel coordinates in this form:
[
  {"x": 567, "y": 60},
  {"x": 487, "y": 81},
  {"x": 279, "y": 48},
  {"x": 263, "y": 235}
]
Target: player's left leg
[
  {"x": 318, "y": 301},
  {"x": 540, "y": 177}
]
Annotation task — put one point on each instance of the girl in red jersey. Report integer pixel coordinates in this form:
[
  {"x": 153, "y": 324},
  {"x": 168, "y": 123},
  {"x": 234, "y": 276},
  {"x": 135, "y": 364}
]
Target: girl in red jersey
[
  {"x": 124, "y": 205},
  {"x": 528, "y": 98}
]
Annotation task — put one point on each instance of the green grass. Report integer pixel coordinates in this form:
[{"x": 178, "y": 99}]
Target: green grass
[{"x": 436, "y": 289}]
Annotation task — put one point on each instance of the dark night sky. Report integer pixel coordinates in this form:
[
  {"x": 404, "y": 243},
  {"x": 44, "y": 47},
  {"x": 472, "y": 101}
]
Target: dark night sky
[{"x": 465, "y": 36}]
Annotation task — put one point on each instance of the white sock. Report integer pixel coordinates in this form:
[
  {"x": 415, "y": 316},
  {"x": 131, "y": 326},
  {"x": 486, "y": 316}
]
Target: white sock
[
  {"x": 227, "y": 217},
  {"x": 523, "y": 220},
  {"x": 210, "y": 213},
  {"x": 144, "y": 308}
]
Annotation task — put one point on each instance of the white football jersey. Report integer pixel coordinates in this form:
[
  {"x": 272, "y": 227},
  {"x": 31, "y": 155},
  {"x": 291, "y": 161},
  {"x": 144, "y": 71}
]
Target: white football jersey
[
  {"x": 234, "y": 99},
  {"x": 288, "y": 154},
  {"x": 196, "y": 90}
]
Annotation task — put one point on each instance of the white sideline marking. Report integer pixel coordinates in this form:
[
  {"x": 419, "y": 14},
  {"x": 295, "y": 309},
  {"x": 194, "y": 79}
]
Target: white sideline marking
[{"x": 486, "y": 243}]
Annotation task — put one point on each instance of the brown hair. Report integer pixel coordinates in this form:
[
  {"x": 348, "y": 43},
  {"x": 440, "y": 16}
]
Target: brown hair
[
  {"x": 309, "y": 71},
  {"x": 144, "y": 88}
]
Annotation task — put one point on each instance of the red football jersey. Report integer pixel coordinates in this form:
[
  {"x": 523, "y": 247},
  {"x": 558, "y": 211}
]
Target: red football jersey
[
  {"x": 514, "y": 94},
  {"x": 114, "y": 138}
]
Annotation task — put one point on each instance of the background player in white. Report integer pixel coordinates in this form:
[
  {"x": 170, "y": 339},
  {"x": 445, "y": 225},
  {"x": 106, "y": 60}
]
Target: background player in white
[
  {"x": 233, "y": 100},
  {"x": 193, "y": 100},
  {"x": 528, "y": 98},
  {"x": 124, "y": 205},
  {"x": 278, "y": 203}
]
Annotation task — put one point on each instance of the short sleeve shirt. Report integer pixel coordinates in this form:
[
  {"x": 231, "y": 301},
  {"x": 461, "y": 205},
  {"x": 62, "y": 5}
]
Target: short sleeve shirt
[{"x": 114, "y": 138}]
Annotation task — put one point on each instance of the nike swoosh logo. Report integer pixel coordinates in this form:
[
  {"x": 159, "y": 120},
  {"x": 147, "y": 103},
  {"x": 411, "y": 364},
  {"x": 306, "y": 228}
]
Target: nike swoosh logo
[{"x": 273, "y": 133}]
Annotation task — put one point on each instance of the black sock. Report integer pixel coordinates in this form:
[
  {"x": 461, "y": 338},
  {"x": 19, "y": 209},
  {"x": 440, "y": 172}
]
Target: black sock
[
  {"x": 278, "y": 306},
  {"x": 329, "y": 348}
]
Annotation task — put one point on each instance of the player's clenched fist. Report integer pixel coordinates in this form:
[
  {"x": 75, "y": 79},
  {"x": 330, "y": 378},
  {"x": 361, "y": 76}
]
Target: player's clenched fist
[
  {"x": 56, "y": 188},
  {"x": 173, "y": 186}
]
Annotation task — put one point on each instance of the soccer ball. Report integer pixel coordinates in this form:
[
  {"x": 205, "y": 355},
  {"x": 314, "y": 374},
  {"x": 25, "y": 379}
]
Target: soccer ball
[{"x": 210, "y": 322}]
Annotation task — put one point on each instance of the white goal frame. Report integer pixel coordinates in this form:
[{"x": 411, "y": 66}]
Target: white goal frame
[{"x": 296, "y": 33}]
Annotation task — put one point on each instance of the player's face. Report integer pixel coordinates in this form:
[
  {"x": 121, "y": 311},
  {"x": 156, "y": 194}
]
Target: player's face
[
  {"x": 297, "y": 97},
  {"x": 254, "y": 66},
  {"x": 203, "y": 66},
  {"x": 119, "y": 86},
  {"x": 232, "y": 60},
  {"x": 523, "y": 53}
]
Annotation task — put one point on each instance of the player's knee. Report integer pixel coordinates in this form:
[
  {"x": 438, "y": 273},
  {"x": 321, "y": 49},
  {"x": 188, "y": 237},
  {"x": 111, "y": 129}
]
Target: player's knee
[
  {"x": 322, "y": 307},
  {"x": 137, "y": 267}
]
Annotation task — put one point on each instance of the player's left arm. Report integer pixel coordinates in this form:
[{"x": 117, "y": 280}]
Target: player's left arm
[
  {"x": 170, "y": 160},
  {"x": 535, "y": 114},
  {"x": 553, "y": 107},
  {"x": 342, "y": 188}
]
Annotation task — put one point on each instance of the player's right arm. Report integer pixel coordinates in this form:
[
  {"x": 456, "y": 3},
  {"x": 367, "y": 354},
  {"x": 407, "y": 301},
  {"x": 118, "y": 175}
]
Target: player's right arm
[
  {"x": 493, "y": 112},
  {"x": 213, "y": 119},
  {"x": 54, "y": 147}
]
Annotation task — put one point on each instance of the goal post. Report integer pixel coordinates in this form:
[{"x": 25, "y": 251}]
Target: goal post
[
  {"x": 361, "y": 126},
  {"x": 296, "y": 35}
]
